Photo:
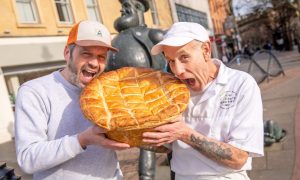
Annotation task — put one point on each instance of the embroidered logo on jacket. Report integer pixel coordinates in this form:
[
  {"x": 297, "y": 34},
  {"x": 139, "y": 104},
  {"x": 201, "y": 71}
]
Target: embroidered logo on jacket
[{"x": 227, "y": 99}]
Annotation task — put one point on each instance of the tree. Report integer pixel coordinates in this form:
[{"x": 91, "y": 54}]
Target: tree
[{"x": 280, "y": 14}]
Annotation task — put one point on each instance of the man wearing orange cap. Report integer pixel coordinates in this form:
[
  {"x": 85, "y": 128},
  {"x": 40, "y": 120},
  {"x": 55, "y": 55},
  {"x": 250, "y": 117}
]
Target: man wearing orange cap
[
  {"x": 222, "y": 128},
  {"x": 53, "y": 139}
]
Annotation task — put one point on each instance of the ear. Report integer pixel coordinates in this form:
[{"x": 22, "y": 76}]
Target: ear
[
  {"x": 206, "y": 50},
  {"x": 67, "y": 53}
]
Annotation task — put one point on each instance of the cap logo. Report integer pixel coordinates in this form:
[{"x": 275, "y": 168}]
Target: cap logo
[{"x": 99, "y": 33}]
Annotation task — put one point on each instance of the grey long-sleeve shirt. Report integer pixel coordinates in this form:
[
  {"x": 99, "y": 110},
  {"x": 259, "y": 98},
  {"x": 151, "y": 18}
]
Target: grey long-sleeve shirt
[{"x": 48, "y": 119}]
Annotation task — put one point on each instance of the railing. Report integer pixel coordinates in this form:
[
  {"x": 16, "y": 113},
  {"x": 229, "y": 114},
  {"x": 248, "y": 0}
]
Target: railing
[{"x": 261, "y": 65}]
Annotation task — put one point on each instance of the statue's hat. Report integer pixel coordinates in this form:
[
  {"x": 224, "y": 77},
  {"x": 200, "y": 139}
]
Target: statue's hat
[{"x": 144, "y": 2}]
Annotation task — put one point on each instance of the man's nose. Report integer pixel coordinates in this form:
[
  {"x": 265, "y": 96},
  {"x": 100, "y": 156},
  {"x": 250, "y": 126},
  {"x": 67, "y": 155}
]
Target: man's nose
[
  {"x": 178, "y": 68},
  {"x": 93, "y": 62}
]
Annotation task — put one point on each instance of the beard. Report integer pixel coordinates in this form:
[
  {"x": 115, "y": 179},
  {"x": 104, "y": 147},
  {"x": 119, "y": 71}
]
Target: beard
[{"x": 74, "y": 75}]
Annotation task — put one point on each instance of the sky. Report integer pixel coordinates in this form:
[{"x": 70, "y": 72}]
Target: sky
[{"x": 243, "y": 7}]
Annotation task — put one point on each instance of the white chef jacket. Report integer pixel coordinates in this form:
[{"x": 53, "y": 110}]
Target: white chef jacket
[{"x": 229, "y": 110}]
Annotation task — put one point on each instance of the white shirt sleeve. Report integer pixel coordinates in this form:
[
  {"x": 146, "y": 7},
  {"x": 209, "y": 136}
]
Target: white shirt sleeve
[
  {"x": 34, "y": 151},
  {"x": 246, "y": 131}
]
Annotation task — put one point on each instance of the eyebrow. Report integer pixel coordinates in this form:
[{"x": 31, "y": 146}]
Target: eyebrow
[
  {"x": 179, "y": 52},
  {"x": 84, "y": 48},
  {"x": 81, "y": 48}
]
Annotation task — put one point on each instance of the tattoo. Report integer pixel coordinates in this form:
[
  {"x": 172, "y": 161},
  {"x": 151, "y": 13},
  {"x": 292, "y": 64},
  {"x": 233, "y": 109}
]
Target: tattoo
[{"x": 211, "y": 149}]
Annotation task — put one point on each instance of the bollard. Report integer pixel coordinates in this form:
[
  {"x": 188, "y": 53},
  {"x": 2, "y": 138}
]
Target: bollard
[{"x": 7, "y": 173}]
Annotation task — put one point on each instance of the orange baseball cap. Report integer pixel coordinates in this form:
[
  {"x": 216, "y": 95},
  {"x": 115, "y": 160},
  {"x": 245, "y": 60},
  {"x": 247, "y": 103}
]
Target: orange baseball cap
[{"x": 90, "y": 33}]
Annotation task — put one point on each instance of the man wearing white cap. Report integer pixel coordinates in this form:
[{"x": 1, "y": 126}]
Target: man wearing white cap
[
  {"x": 53, "y": 139},
  {"x": 222, "y": 128}
]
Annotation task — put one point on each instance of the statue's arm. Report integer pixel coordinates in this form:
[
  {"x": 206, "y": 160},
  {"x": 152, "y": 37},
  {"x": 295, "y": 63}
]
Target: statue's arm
[
  {"x": 156, "y": 35},
  {"x": 157, "y": 149}
]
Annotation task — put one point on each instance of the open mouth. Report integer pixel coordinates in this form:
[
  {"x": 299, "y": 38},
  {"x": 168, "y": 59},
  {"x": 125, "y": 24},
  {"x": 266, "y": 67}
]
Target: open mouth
[
  {"x": 190, "y": 81},
  {"x": 88, "y": 75}
]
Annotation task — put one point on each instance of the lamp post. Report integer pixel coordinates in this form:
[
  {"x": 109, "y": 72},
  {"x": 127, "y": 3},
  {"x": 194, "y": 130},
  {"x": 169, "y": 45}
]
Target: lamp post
[{"x": 230, "y": 23}]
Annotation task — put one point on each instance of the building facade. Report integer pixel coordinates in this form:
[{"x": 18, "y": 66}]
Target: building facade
[
  {"x": 218, "y": 15},
  {"x": 33, "y": 34}
]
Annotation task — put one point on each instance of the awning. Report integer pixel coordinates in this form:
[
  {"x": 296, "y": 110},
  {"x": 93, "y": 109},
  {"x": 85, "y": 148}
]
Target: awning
[
  {"x": 29, "y": 68},
  {"x": 20, "y": 51}
]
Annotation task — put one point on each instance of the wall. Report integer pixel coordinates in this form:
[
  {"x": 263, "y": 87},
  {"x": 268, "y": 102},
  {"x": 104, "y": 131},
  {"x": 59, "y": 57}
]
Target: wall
[
  {"x": 6, "y": 113},
  {"x": 49, "y": 25},
  {"x": 218, "y": 14}
]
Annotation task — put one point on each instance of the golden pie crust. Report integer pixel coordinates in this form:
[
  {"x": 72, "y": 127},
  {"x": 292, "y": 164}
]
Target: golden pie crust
[{"x": 129, "y": 101}]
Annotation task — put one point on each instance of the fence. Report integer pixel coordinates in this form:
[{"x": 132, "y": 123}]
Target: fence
[{"x": 261, "y": 65}]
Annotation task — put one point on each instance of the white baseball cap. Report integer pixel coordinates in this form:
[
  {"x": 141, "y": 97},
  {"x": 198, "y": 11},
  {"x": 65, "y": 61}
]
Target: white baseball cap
[
  {"x": 181, "y": 33},
  {"x": 90, "y": 33}
]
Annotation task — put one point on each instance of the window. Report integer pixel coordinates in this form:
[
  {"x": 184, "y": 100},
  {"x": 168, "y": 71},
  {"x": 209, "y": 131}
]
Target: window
[
  {"x": 93, "y": 12},
  {"x": 154, "y": 12},
  {"x": 191, "y": 15},
  {"x": 27, "y": 11},
  {"x": 64, "y": 11}
]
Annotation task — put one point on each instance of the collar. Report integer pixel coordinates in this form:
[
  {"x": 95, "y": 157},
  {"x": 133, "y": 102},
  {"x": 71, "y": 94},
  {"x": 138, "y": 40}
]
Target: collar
[
  {"x": 65, "y": 83},
  {"x": 222, "y": 77},
  {"x": 217, "y": 84}
]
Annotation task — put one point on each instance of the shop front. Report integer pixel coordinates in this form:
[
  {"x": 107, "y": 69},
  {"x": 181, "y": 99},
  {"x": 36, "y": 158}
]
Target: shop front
[{"x": 24, "y": 59}]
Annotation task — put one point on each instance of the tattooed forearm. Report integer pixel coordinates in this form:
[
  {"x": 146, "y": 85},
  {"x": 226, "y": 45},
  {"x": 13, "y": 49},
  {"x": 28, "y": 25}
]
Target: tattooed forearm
[{"x": 211, "y": 149}]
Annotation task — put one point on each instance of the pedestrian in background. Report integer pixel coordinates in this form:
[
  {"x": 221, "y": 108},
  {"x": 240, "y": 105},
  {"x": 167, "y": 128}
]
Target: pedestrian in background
[
  {"x": 222, "y": 128},
  {"x": 53, "y": 139}
]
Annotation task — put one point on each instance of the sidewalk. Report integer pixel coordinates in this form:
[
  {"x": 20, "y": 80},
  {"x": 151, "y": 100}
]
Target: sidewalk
[{"x": 281, "y": 101}]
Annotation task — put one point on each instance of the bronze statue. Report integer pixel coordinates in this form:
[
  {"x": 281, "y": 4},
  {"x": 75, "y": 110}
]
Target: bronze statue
[
  {"x": 135, "y": 39},
  {"x": 134, "y": 42}
]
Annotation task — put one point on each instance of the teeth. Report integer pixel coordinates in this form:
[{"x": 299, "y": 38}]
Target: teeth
[{"x": 91, "y": 72}]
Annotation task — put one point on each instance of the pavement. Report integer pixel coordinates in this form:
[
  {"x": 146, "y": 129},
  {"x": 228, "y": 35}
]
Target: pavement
[{"x": 281, "y": 102}]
